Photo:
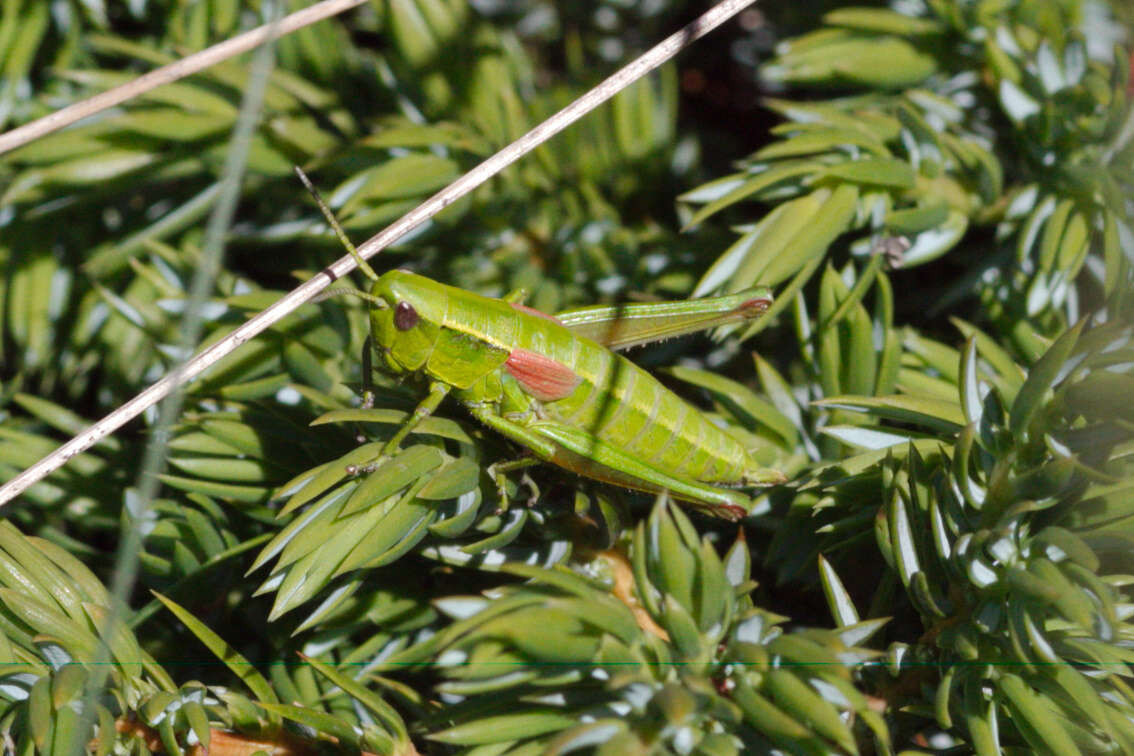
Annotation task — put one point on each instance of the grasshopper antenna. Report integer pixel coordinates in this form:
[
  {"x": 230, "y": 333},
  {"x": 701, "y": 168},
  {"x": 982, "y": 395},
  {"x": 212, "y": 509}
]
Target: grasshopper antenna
[{"x": 346, "y": 242}]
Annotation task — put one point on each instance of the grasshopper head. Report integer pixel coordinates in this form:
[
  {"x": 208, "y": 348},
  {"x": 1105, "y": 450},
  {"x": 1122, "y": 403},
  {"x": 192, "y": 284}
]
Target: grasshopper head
[{"x": 405, "y": 330}]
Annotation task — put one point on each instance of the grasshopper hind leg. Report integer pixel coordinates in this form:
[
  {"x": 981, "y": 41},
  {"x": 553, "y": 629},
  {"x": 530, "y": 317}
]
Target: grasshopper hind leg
[
  {"x": 585, "y": 454},
  {"x": 761, "y": 476}
]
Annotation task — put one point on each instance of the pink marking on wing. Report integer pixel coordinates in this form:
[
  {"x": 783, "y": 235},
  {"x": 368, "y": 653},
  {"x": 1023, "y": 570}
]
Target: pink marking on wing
[
  {"x": 542, "y": 377},
  {"x": 532, "y": 311}
]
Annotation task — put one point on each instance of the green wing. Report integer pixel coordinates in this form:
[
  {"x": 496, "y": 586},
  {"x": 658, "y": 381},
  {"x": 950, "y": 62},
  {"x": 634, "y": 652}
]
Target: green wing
[{"x": 627, "y": 325}]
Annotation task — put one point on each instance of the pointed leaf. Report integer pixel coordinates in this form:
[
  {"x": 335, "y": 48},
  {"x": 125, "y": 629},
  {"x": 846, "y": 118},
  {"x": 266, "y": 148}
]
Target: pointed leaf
[
  {"x": 931, "y": 413},
  {"x": 498, "y": 729},
  {"x": 241, "y": 667},
  {"x": 1040, "y": 379},
  {"x": 838, "y": 600}
]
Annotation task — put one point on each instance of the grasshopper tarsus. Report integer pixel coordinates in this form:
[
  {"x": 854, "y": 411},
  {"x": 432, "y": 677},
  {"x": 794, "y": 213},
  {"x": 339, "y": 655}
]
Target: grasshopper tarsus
[
  {"x": 735, "y": 513},
  {"x": 355, "y": 471},
  {"x": 534, "y": 498}
]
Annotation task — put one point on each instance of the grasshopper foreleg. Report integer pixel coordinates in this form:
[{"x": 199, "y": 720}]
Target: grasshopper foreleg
[
  {"x": 437, "y": 392},
  {"x": 367, "y": 374}
]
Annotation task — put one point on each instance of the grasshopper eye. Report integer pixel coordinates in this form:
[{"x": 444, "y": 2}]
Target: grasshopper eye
[{"x": 405, "y": 317}]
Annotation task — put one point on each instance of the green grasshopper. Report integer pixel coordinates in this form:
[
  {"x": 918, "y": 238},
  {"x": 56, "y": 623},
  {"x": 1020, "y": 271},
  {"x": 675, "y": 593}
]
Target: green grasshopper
[{"x": 553, "y": 385}]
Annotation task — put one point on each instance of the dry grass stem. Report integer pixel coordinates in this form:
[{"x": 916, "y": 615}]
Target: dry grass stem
[{"x": 29, "y": 132}]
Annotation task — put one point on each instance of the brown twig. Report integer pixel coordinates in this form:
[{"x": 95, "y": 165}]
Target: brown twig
[
  {"x": 623, "y": 590},
  {"x": 224, "y": 743}
]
